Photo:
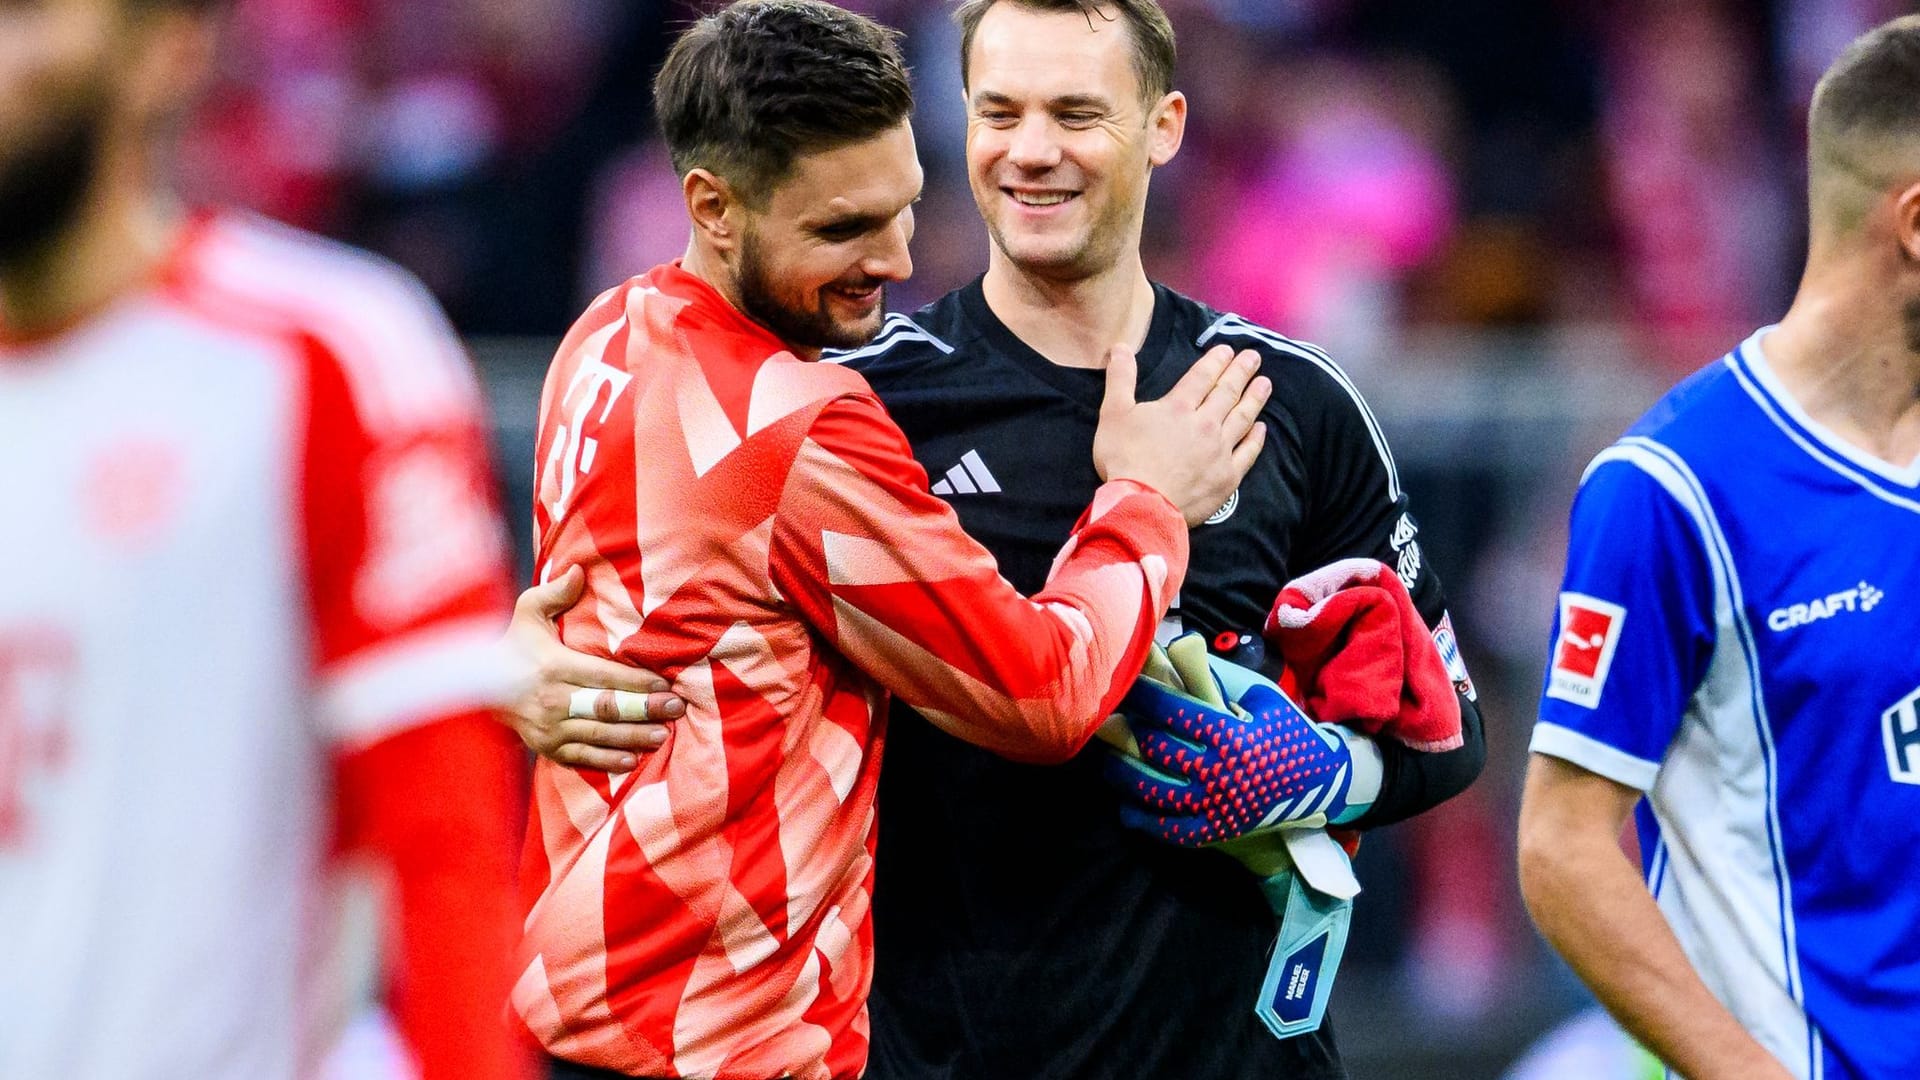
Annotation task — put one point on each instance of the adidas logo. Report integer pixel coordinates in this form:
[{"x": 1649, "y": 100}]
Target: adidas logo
[{"x": 970, "y": 477}]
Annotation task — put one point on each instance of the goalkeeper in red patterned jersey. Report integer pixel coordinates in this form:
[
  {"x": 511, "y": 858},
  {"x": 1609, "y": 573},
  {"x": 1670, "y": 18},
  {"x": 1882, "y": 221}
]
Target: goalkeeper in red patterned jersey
[{"x": 753, "y": 524}]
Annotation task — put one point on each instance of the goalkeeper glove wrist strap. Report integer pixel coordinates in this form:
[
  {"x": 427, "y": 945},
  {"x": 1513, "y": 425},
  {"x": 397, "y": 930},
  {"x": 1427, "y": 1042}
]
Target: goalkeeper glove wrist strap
[
  {"x": 1313, "y": 937},
  {"x": 1369, "y": 772}
]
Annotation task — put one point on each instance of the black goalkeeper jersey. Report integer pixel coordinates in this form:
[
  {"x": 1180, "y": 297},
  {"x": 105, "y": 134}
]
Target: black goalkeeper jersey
[{"x": 1021, "y": 932}]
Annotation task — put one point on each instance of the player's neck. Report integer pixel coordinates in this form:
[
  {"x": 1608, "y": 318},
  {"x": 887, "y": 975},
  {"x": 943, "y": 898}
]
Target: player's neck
[
  {"x": 1072, "y": 323},
  {"x": 1847, "y": 356},
  {"x": 705, "y": 264},
  {"x": 112, "y": 246}
]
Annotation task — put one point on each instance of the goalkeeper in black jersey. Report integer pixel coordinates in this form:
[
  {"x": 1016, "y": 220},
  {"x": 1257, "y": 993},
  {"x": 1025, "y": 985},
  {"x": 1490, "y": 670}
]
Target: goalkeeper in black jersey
[{"x": 1021, "y": 931}]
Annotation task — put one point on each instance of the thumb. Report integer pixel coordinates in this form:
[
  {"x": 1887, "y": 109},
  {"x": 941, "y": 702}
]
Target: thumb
[
  {"x": 1121, "y": 373},
  {"x": 551, "y": 599}
]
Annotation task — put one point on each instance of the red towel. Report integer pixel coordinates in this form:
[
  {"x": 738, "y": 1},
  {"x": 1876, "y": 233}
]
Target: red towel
[{"x": 1362, "y": 657}]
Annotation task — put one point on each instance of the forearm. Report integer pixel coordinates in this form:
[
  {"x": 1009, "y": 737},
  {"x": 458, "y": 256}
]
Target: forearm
[
  {"x": 1590, "y": 904},
  {"x": 1052, "y": 667},
  {"x": 1413, "y": 782},
  {"x": 920, "y": 607}
]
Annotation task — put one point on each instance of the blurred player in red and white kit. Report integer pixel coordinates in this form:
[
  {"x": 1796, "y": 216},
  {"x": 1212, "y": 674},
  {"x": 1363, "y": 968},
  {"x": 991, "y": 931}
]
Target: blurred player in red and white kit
[
  {"x": 250, "y": 584},
  {"x": 751, "y": 522}
]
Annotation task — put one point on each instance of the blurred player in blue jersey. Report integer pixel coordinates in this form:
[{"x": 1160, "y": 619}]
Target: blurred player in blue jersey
[{"x": 1738, "y": 643}]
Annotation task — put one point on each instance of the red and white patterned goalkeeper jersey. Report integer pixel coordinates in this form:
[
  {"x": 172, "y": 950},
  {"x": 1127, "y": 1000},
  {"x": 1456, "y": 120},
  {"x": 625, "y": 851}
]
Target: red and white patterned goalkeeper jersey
[{"x": 754, "y": 528}]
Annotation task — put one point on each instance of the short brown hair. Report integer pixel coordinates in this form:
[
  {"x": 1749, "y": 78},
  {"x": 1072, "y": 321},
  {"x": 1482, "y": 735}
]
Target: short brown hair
[
  {"x": 1153, "y": 45},
  {"x": 751, "y": 87},
  {"x": 1865, "y": 114},
  {"x": 1874, "y": 87}
]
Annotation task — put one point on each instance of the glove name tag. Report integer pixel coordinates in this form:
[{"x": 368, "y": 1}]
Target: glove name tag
[{"x": 1313, "y": 937}]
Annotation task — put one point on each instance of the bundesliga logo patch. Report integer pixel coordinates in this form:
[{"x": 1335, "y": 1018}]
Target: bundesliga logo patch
[
  {"x": 1449, "y": 646},
  {"x": 1589, "y": 632}
]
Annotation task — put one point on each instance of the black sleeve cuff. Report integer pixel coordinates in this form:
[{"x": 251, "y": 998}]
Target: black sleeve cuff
[{"x": 1413, "y": 783}]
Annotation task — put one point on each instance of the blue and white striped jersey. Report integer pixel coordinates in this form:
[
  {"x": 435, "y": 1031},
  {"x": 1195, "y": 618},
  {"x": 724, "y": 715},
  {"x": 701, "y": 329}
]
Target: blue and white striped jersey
[{"x": 1739, "y": 637}]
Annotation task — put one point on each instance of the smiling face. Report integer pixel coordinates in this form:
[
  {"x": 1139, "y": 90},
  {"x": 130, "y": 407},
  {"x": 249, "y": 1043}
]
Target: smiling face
[
  {"x": 813, "y": 265},
  {"x": 1060, "y": 144}
]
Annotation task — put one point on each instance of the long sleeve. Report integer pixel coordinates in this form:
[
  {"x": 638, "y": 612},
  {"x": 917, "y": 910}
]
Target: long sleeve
[
  {"x": 882, "y": 569},
  {"x": 1358, "y": 509},
  {"x": 1413, "y": 782}
]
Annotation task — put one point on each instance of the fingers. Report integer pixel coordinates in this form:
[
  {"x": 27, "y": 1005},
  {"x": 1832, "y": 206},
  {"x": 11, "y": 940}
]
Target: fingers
[
  {"x": 1139, "y": 785},
  {"x": 577, "y": 670},
  {"x": 615, "y": 706},
  {"x": 1198, "y": 382},
  {"x": 553, "y": 665},
  {"x": 1248, "y": 449},
  {"x": 1153, "y": 709},
  {"x": 628, "y": 737},
  {"x": 1172, "y": 755},
  {"x": 1230, "y": 387},
  {"x": 580, "y": 756},
  {"x": 663, "y": 705},
  {"x": 1122, "y": 371},
  {"x": 590, "y": 744},
  {"x": 548, "y": 601},
  {"x": 1246, "y": 411},
  {"x": 1184, "y": 831}
]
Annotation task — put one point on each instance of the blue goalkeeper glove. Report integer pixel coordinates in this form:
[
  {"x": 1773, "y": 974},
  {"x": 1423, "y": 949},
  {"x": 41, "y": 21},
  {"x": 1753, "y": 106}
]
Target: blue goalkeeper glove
[
  {"x": 1214, "y": 753},
  {"x": 1233, "y": 759}
]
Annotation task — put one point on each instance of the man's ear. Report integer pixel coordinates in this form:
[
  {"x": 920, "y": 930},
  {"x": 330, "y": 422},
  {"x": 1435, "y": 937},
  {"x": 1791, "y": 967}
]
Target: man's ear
[
  {"x": 1167, "y": 128},
  {"x": 712, "y": 206},
  {"x": 1906, "y": 221}
]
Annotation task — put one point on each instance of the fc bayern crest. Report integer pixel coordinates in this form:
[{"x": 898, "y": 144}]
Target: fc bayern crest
[{"x": 1225, "y": 512}]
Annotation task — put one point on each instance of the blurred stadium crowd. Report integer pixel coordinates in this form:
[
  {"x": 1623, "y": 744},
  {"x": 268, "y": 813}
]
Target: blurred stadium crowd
[
  {"x": 1514, "y": 221},
  {"x": 1355, "y": 166}
]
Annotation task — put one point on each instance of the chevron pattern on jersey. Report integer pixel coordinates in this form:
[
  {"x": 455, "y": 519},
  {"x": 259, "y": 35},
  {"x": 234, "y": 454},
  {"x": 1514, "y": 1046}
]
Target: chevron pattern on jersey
[{"x": 755, "y": 529}]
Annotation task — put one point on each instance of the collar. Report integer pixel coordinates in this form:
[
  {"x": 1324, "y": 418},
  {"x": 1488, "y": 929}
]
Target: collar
[{"x": 1084, "y": 386}]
